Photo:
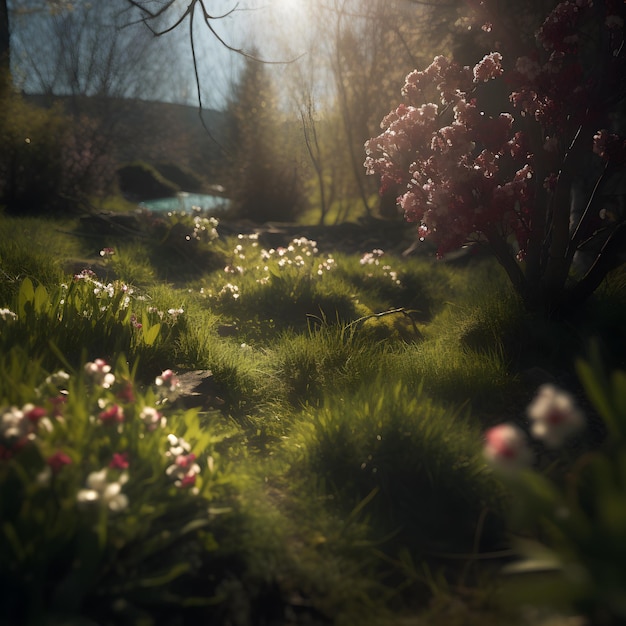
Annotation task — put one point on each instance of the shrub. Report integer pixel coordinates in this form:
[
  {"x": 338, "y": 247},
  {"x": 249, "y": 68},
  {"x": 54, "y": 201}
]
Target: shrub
[
  {"x": 143, "y": 182},
  {"x": 48, "y": 162},
  {"x": 184, "y": 179}
]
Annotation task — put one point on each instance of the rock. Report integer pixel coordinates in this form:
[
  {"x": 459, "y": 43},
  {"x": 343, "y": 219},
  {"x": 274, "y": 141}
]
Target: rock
[{"x": 199, "y": 389}]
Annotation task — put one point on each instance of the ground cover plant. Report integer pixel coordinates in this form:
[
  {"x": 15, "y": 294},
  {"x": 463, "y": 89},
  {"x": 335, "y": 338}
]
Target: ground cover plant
[{"x": 330, "y": 470}]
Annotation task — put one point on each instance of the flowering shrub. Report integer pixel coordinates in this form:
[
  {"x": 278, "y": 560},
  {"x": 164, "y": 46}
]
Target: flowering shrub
[
  {"x": 371, "y": 261},
  {"x": 200, "y": 228},
  {"x": 513, "y": 182},
  {"x": 575, "y": 513},
  {"x": 107, "y": 468},
  {"x": 248, "y": 262},
  {"x": 49, "y": 161}
]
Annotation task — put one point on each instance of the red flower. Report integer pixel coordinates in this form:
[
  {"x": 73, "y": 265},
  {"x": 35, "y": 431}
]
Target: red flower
[
  {"x": 57, "y": 461},
  {"x": 35, "y": 414},
  {"x": 119, "y": 461},
  {"x": 114, "y": 414},
  {"x": 126, "y": 394},
  {"x": 189, "y": 480}
]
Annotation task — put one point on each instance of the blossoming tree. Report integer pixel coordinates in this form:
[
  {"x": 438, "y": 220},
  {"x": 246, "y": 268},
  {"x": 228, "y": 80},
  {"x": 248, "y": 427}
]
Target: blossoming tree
[{"x": 536, "y": 180}]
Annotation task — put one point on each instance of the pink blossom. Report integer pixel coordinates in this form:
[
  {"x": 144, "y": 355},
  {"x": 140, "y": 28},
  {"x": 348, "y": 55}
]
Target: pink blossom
[
  {"x": 57, "y": 461},
  {"x": 527, "y": 67},
  {"x": 119, "y": 461},
  {"x": 85, "y": 274},
  {"x": 126, "y": 393},
  {"x": 489, "y": 67},
  {"x": 506, "y": 447},
  {"x": 609, "y": 146},
  {"x": 112, "y": 415}
]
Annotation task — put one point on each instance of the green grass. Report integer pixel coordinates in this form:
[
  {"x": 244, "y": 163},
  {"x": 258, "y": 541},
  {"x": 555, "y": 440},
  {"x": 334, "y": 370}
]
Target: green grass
[{"x": 347, "y": 403}]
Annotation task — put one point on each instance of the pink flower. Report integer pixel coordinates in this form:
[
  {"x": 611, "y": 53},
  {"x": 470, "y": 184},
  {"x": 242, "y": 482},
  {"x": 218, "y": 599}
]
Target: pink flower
[
  {"x": 489, "y": 67},
  {"x": 107, "y": 252},
  {"x": 85, "y": 274},
  {"x": 506, "y": 447},
  {"x": 188, "y": 480},
  {"x": 100, "y": 371},
  {"x": 185, "y": 460},
  {"x": 113, "y": 415},
  {"x": 119, "y": 461},
  {"x": 57, "y": 461},
  {"x": 554, "y": 416},
  {"x": 127, "y": 393}
]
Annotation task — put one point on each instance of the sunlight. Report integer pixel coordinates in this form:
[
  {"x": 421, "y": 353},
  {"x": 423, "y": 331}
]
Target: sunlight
[{"x": 282, "y": 23}]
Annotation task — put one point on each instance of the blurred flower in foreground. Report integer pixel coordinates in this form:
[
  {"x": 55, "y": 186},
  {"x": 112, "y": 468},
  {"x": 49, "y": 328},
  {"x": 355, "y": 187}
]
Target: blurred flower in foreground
[
  {"x": 506, "y": 447},
  {"x": 100, "y": 371},
  {"x": 99, "y": 490},
  {"x": 168, "y": 385},
  {"x": 554, "y": 416}
]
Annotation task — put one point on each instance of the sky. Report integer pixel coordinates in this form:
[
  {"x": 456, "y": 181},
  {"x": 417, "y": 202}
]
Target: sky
[{"x": 275, "y": 30}]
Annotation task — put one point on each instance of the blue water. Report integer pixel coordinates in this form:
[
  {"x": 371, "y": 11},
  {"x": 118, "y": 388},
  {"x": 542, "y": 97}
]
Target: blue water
[{"x": 185, "y": 201}]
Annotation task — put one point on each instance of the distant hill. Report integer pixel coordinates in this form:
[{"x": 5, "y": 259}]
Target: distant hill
[{"x": 153, "y": 132}]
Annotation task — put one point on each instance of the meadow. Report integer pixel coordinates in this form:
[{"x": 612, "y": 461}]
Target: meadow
[{"x": 199, "y": 428}]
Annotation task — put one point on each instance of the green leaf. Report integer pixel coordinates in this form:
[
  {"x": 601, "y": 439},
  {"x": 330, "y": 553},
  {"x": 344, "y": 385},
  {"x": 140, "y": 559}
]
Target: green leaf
[
  {"x": 158, "y": 581},
  {"x": 9, "y": 532},
  {"x": 150, "y": 334},
  {"x": 41, "y": 299},
  {"x": 598, "y": 392},
  {"x": 26, "y": 295}
]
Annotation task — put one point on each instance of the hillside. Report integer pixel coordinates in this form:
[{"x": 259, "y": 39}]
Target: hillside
[{"x": 153, "y": 132}]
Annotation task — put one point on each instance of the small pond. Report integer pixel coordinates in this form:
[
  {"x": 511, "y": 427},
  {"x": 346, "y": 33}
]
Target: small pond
[{"x": 184, "y": 201}]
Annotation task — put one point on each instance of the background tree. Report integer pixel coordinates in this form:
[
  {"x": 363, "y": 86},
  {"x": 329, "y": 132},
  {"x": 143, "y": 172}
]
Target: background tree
[
  {"x": 355, "y": 55},
  {"x": 261, "y": 175}
]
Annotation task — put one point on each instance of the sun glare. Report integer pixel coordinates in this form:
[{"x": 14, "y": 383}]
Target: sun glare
[{"x": 283, "y": 21}]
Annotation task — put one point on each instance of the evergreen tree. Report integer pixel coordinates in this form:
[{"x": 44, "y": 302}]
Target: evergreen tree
[{"x": 262, "y": 178}]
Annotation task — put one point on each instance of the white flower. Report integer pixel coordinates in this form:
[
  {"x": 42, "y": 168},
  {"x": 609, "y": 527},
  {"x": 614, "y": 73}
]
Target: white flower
[
  {"x": 554, "y": 416},
  {"x": 6, "y": 314},
  {"x": 178, "y": 446},
  {"x": 152, "y": 418},
  {"x": 168, "y": 384},
  {"x": 99, "y": 490},
  {"x": 58, "y": 379},
  {"x": 43, "y": 477},
  {"x": 12, "y": 423}
]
